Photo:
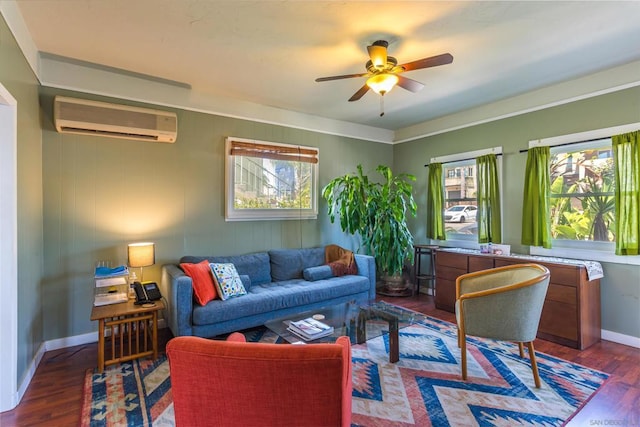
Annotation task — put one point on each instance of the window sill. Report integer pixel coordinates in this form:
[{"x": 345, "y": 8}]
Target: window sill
[{"x": 585, "y": 254}]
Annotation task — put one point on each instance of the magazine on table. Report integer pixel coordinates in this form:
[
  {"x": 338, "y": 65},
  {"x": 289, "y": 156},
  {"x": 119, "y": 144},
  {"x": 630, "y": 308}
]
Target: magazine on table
[{"x": 310, "y": 329}]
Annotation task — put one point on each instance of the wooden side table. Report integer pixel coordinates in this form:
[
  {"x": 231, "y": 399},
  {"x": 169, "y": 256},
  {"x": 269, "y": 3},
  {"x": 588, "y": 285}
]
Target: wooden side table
[{"x": 132, "y": 330}]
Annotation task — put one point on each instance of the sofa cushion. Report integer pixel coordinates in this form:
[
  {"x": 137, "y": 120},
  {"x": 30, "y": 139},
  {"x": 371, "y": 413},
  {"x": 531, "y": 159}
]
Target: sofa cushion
[
  {"x": 202, "y": 281},
  {"x": 246, "y": 281},
  {"x": 227, "y": 281},
  {"x": 287, "y": 264},
  {"x": 317, "y": 273},
  {"x": 275, "y": 296},
  {"x": 255, "y": 265}
]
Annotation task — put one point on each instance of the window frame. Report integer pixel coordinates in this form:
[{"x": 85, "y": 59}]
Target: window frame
[
  {"x": 597, "y": 251},
  {"x": 575, "y": 147},
  {"x": 234, "y": 214},
  {"x": 461, "y": 240}
]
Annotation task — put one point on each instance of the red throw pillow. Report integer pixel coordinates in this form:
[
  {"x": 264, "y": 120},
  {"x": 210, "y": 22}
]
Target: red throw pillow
[{"x": 200, "y": 274}]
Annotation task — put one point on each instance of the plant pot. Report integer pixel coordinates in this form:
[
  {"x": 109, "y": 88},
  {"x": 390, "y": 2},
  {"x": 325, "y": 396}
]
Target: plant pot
[{"x": 394, "y": 286}]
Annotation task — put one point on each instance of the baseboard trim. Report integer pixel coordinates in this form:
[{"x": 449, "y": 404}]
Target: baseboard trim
[
  {"x": 621, "y": 338},
  {"x": 31, "y": 371},
  {"x": 59, "y": 343}
]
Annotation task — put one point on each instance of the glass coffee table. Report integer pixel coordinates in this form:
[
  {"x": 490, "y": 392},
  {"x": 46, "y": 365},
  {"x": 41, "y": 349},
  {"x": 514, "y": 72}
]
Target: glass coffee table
[{"x": 359, "y": 321}]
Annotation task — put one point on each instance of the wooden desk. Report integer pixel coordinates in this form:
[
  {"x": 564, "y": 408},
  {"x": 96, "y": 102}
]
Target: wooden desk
[
  {"x": 132, "y": 330},
  {"x": 571, "y": 313}
]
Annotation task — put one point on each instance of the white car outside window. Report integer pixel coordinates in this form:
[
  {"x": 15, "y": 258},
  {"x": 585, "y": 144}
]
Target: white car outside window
[{"x": 460, "y": 213}]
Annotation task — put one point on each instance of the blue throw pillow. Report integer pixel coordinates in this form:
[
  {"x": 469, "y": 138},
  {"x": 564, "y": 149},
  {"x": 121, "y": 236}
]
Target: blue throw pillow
[{"x": 319, "y": 272}]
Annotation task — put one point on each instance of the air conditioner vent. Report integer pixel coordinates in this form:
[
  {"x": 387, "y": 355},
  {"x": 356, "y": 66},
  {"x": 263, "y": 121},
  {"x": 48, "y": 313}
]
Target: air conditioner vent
[
  {"x": 66, "y": 129},
  {"x": 118, "y": 121}
]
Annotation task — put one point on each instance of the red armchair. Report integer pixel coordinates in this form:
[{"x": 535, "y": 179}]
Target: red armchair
[{"x": 234, "y": 383}]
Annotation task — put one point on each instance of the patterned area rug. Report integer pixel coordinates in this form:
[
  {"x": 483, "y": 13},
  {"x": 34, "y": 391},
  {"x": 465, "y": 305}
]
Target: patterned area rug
[{"x": 423, "y": 389}]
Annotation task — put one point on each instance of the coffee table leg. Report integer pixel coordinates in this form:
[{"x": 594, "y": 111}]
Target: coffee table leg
[
  {"x": 361, "y": 327},
  {"x": 394, "y": 348}
]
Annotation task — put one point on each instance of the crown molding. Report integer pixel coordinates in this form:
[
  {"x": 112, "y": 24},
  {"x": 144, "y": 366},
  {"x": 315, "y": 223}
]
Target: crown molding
[
  {"x": 607, "y": 81},
  {"x": 12, "y": 16}
]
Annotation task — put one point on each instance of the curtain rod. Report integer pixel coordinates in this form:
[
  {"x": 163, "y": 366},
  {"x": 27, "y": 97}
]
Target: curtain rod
[
  {"x": 570, "y": 143},
  {"x": 460, "y": 160}
]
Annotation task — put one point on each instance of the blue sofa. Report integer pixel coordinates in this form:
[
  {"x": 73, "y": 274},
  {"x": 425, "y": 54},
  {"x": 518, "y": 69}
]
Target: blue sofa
[{"x": 276, "y": 287}]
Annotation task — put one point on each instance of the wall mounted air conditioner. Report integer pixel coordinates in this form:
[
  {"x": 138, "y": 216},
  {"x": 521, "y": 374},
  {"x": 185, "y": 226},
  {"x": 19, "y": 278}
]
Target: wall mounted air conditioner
[{"x": 86, "y": 117}]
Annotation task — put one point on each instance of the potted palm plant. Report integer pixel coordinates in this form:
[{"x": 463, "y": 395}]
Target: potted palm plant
[{"x": 377, "y": 212}]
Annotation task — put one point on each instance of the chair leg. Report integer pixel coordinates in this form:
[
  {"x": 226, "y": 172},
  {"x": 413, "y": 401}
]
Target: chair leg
[
  {"x": 521, "y": 348},
  {"x": 463, "y": 354},
  {"x": 534, "y": 365}
]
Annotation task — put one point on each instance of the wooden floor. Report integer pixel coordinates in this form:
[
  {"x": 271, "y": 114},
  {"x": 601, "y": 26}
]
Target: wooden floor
[{"x": 54, "y": 397}]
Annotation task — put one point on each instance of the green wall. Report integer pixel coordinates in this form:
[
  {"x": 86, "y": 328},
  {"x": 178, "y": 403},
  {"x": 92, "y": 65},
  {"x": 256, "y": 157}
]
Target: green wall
[
  {"x": 102, "y": 193},
  {"x": 620, "y": 288},
  {"x": 16, "y": 76}
]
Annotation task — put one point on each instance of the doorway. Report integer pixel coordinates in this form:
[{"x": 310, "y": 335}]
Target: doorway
[{"x": 8, "y": 251}]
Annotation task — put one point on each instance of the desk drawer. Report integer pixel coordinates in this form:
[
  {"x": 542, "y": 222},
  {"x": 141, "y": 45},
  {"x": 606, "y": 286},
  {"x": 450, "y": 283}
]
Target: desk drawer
[
  {"x": 449, "y": 273},
  {"x": 452, "y": 260},
  {"x": 561, "y": 293},
  {"x": 477, "y": 263},
  {"x": 445, "y": 294},
  {"x": 559, "y": 319},
  {"x": 564, "y": 275}
]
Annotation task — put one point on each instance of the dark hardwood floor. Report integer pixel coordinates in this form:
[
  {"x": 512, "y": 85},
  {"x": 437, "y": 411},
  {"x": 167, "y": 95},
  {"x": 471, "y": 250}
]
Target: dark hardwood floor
[{"x": 54, "y": 397}]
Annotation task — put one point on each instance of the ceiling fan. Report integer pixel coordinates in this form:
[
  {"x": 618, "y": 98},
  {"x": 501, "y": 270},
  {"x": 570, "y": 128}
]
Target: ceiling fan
[{"x": 383, "y": 71}]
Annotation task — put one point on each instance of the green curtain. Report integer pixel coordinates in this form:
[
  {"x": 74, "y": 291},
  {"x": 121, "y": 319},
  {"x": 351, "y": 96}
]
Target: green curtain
[
  {"x": 626, "y": 154},
  {"x": 536, "y": 222},
  {"x": 435, "y": 203},
  {"x": 488, "y": 195}
]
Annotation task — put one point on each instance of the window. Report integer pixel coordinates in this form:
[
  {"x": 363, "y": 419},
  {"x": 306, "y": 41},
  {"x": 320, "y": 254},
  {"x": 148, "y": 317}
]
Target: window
[
  {"x": 460, "y": 199},
  {"x": 459, "y": 174},
  {"x": 267, "y": 180},
  {"x": 582, "y": 200},
  {"x": 582, "y": 192}
]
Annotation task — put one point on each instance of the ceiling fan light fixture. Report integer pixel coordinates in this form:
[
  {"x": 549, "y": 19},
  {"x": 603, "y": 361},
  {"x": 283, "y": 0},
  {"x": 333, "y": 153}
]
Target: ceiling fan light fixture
[
  {"x": 382, "y": 83},
  {"x": 378, "y": 55}
]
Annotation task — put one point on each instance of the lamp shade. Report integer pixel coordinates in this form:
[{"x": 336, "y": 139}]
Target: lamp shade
[
  {"x": 141, "y": 254},
  {"x": 382, "y": 83}
]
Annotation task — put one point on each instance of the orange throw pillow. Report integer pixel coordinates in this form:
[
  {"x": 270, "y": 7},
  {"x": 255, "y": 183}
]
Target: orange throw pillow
[{"x": 200, "y": 274}]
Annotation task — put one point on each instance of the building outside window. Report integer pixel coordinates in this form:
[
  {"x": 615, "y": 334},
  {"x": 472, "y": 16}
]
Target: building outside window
[
  {"x": 270, "y": 181},
  {"x": 582, "y": 192}
]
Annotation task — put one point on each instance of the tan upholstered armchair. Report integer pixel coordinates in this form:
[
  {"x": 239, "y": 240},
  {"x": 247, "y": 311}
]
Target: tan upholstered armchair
[{"x": 502, "y": 303}]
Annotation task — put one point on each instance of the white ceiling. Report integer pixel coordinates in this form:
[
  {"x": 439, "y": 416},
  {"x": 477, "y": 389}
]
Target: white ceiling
[{"x": 269, "y": 52}]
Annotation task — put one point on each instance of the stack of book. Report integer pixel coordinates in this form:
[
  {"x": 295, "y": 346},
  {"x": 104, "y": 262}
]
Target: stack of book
[
  {"x": 111, "y": 285},
  {"x": 310, "y": 329}
]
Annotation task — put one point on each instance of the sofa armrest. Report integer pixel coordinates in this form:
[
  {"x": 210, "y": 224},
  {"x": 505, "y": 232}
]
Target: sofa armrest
[
  {"x": 177, "y": 288},
  {"x": 367, "y": 267}
]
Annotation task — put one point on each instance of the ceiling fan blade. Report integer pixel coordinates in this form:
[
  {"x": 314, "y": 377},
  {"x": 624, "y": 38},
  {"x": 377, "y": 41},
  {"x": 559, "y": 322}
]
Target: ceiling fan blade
[
  {"x": 432, "y": 61},
  {"x": 378, "y": 54},
  {"x": 360, "y": 93},
  {"x": 409, "y": 84},
  {"x": 345, "y": 76}
]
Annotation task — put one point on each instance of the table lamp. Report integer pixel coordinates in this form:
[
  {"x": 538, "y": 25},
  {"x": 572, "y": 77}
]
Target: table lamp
[{"x": 141, "y": 255}]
